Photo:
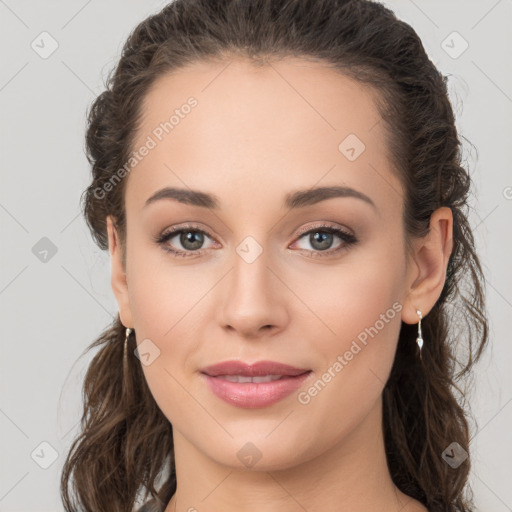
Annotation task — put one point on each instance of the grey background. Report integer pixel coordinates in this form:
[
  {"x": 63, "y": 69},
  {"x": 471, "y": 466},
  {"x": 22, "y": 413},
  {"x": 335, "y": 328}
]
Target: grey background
[{"x": 51, "y": 310}]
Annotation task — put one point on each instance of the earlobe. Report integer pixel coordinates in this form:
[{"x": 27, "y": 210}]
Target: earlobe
[
  {"x": 430, "y": 263},
  {"x": 118, "y": 280}
]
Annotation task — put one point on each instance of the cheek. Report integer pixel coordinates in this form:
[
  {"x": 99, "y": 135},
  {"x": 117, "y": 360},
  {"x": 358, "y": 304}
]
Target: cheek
[
  {"x": 359, "y": 299},
  {"x": 361, "y": 308},
  {"x": 166, "y": 303},
  {"x": 162, "y": 293},
  {"x": 168, "y": 312},
  {"x": 364, "y": 316}
]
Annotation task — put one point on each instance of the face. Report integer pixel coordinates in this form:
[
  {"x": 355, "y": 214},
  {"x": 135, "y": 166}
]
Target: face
[{"x": 268, "y": 269}]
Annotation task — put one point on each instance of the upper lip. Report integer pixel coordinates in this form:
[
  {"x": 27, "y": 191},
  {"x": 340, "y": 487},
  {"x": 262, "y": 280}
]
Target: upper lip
[{"x": 257, "y": 369}]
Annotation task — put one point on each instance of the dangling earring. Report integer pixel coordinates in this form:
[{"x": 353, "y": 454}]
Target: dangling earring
[
  {"x": 125, "y": 350},
  {"x": 419, "y": 339},
  {"x": 126, "y": 378},
  {"x": 127, "y": 335}
]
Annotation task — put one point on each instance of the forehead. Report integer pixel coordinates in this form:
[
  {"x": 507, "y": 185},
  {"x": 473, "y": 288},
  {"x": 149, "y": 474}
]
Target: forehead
[{"x": 212, "y": 125}]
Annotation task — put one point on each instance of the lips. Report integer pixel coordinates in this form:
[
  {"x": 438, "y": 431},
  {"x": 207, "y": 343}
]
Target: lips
[
  {"x": 253, "y": 386},
  {"x": 258, "y": 369}
]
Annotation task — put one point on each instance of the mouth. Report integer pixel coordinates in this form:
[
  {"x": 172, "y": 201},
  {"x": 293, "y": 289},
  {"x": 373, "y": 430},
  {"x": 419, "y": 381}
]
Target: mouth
[{"x": 253, "y": 386}]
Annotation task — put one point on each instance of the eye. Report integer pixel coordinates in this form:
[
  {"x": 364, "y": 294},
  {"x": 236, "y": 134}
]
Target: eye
[
  {"x": 321, "y": 239},
  {"x": 191, "y": 238}
]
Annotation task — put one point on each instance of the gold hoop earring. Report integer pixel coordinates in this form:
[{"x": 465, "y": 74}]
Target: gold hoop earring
[{"x": 419, "y": 339}]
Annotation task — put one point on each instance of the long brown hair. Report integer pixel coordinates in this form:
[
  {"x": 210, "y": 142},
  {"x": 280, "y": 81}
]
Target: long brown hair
[{"x": 124, "y": 452}]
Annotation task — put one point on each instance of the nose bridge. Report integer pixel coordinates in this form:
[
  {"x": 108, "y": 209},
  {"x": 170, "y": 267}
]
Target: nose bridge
[
  {"x": 250, "y": 272},
  {"x": 252, "y": 299}
]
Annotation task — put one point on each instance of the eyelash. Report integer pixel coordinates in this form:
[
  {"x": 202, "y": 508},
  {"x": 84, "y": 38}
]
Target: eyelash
[{"x": 164, "y": 237}]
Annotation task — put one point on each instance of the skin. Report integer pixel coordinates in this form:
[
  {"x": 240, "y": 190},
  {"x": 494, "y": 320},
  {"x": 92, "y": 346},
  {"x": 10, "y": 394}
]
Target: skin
[{"x": 256, "y": 135}]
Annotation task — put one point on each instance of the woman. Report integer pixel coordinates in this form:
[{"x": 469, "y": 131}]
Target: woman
[{"x": 280, "y": 189}]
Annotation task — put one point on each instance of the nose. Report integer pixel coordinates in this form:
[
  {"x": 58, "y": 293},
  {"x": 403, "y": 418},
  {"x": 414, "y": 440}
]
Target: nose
[{"x": 253, "y": 301}]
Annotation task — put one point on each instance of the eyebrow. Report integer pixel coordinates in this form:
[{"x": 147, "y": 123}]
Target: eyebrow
[{"x": 293, "y": 200}]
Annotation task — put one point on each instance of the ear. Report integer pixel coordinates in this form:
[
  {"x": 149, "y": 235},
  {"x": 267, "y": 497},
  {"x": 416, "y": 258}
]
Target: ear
[
  {"x": 428, "y": 265},
  {"x": 118, "y": 280}
]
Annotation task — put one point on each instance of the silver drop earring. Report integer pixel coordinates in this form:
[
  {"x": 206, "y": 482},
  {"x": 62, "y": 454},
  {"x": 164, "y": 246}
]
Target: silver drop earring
[
  {"x": 126, "y": 379},
  {"x": 127, "y": 335},
  {"x": 125, "y": 350},
  {"x": 419, "y": 339}
]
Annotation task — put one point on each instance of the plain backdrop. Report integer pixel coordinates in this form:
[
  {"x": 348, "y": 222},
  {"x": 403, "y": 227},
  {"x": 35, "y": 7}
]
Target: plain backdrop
[{"x": 55, "y": 290}]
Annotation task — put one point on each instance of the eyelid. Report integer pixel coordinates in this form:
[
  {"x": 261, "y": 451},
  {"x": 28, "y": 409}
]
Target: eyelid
[
  {"x": 175, "y": 230},
  {"x": 307, "y": 229}
]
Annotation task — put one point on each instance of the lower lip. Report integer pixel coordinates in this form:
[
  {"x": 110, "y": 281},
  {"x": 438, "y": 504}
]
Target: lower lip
[{"x": 254, "y": 394}]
